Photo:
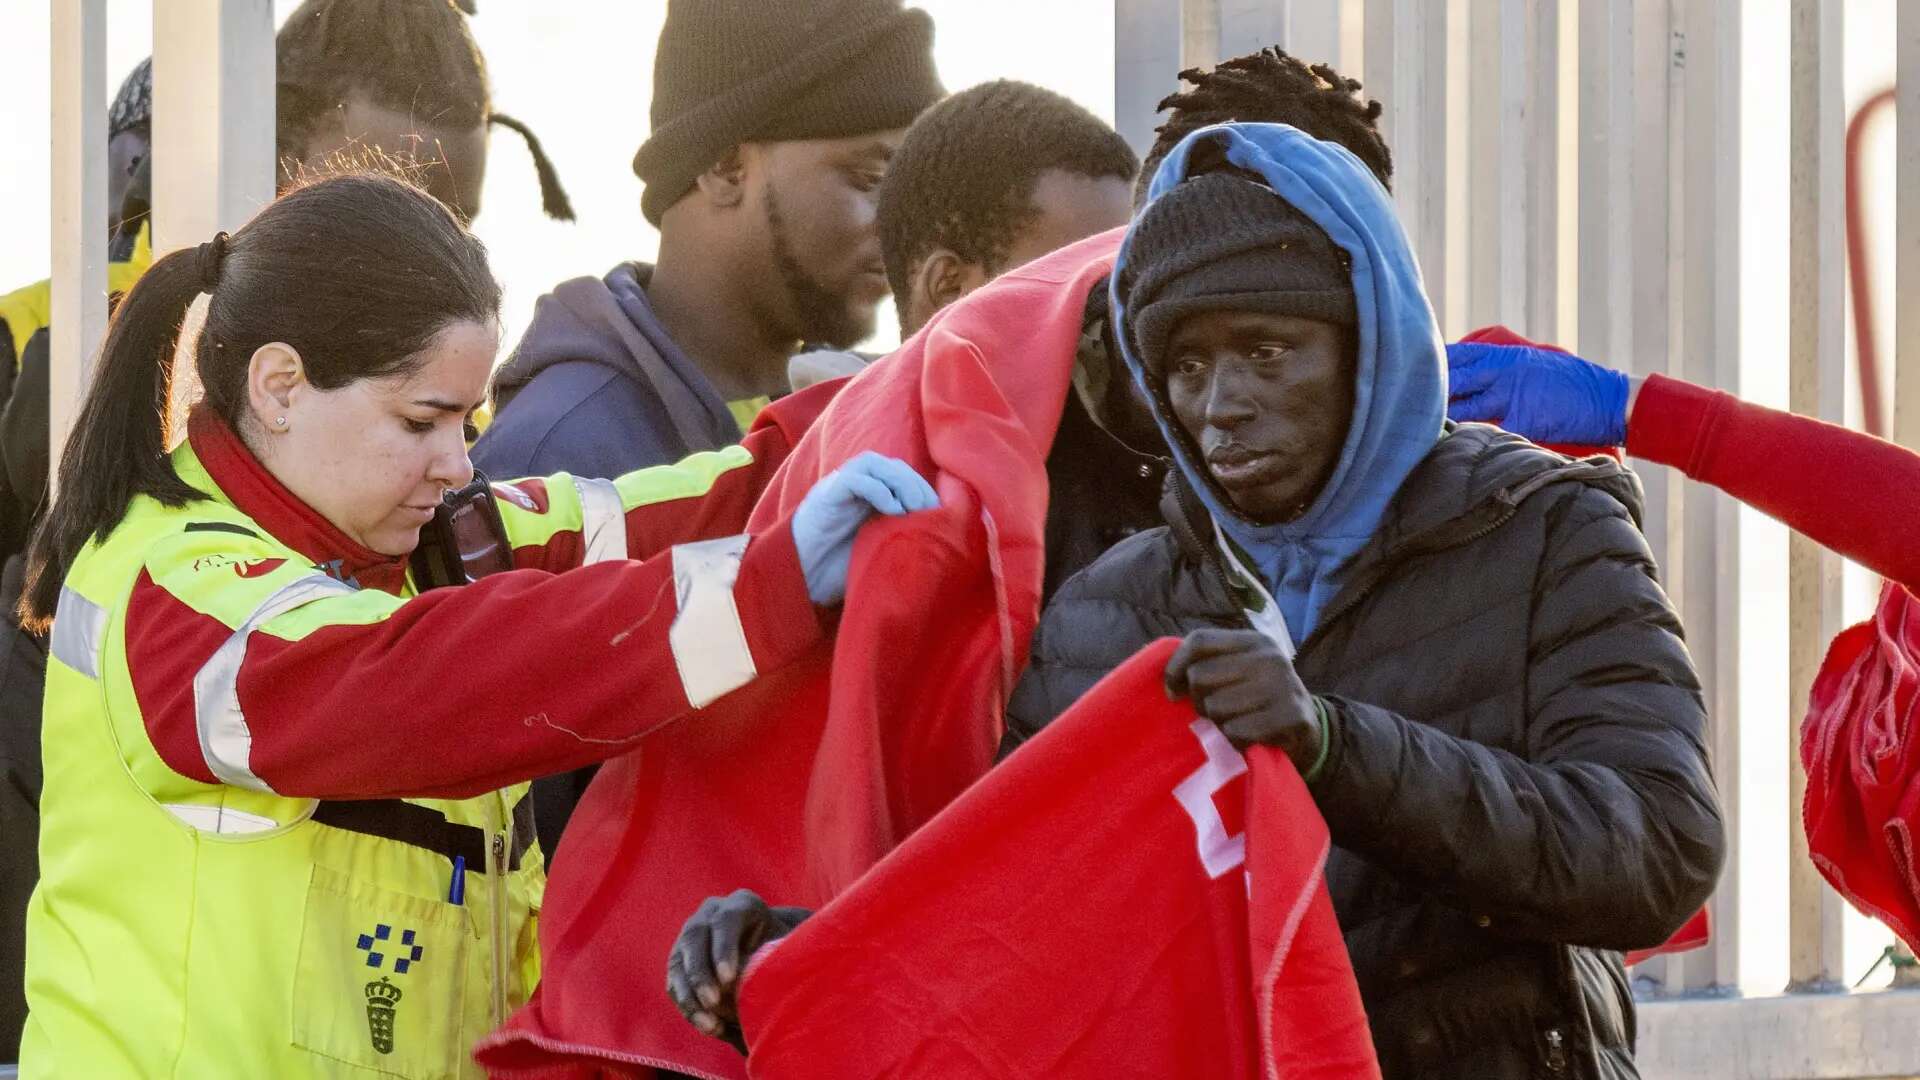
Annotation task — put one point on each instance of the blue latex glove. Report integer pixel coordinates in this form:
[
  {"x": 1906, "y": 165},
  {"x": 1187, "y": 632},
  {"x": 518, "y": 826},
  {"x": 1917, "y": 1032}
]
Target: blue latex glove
[
  {"x": 1546, "y": 396},
  {"x": 832, "y": 513}
]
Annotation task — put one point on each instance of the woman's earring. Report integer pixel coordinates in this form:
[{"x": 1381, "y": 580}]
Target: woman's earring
[{"x": 280, "y": 422}]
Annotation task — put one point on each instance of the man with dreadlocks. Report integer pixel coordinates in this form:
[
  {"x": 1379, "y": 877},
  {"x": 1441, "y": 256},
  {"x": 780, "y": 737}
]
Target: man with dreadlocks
[
  {"x": 403, "y": 77},
  {"x": 772, "y": 127}
]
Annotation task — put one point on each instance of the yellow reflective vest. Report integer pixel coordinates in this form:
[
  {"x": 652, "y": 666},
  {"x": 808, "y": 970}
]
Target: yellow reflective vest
[
  {"x": 26, "y": 311},
  {"x": 204, "y": 927}
]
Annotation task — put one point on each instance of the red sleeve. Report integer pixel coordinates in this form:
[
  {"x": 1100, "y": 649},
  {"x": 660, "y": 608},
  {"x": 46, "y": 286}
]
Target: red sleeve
[
  {"x": 458, "y": 691},
  {"x": 1845, "y": 490}
]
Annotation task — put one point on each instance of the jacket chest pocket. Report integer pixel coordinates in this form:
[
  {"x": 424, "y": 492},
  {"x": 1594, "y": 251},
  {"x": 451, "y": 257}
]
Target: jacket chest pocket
[{"x": 381, "y": 978}]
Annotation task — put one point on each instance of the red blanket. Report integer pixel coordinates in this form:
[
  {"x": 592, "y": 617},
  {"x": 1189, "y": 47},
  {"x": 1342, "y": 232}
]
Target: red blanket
[
  {"x": 1862, "y": 758},
  {"x": 797, "y": 784},
  {"x": 1124, "y": 897}
]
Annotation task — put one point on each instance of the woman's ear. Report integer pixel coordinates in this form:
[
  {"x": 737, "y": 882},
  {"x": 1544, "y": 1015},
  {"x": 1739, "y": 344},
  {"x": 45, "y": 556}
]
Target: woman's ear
[{"x": 275, "y": 378}]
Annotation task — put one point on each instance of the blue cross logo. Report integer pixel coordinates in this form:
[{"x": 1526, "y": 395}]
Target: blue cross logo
[{"x": 405, "y": 956}]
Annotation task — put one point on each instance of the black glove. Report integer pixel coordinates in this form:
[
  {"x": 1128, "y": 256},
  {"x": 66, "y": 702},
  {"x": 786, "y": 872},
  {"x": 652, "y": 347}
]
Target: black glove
[
  {"x": 1240, "y": 680},
  {"x": 703, "y": 972}
]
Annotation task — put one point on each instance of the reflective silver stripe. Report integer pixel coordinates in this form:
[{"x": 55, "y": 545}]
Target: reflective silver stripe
[
  {"x": 603, "y": 521},
  {"x": 220, "y": 819},
  {"x": 709, "y": 644},
  {"x": 79, "y": 628},
  {"x": 225, "y": 739}
]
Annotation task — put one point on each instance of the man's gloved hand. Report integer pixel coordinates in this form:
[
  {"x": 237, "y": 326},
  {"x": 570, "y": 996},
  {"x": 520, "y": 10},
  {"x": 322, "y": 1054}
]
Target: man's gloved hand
[
  {"x": 703, "y": 971},
  {"x": 1240, "y": 680},
  {"x": 832, "y": 513},
  {"x": 1546, "y": 396}
]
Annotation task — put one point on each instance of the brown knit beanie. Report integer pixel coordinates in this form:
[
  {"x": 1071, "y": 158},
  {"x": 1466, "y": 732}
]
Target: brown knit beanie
[{"x": 734, "y": 71}]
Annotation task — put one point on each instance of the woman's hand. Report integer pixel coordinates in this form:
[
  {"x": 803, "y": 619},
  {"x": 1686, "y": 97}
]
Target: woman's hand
[
  {"x": 1546, "y": 396},
  {"x": 1240, "y": 680},
  {"x": 842, "y": 501},
  {"x": 703, "y": 971}
]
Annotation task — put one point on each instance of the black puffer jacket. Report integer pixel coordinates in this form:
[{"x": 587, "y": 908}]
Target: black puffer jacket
[{"x": 1517, "y": 785}]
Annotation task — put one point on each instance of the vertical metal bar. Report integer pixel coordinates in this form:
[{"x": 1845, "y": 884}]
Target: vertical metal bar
[
  {"x": 1566, "y": 195},
  {"x": 1647, "y": 193},
  {"x": 1249, "y": 25},
  {"x": 1540, "y": 119},
  {"x": 1503, "y": 163},
  {"x": 213, "y": 65},
  {"x": 78, "y": 54},
  {"x": 1407, "y": 72},
  {"x": 1313, "y": 33},
  {"x": 1452, "y": 304},
  {"x": 1199, "y": 33},
  {"x": 1906, "y": 272},
  {"x": 1606, "y": 185},
  {"x": 1146, "y": 45},
  {"x": 1705, "y": 138},
  {"x": 1353, "y": 35},
  {"x": 1816, "y": 343}
]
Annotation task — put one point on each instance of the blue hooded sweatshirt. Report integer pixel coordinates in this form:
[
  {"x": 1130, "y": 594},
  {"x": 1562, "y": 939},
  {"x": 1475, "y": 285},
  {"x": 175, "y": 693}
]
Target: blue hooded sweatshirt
[
  {"x": 1401, "y": 393},
  {"x": 597, "y": 388}
]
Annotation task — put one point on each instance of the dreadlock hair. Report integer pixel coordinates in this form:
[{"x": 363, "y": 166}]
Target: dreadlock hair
[
  {"x": 413, "y": 56},
  {"x": 1271, "y": 87},
  {"x": 964, "y": 176}
]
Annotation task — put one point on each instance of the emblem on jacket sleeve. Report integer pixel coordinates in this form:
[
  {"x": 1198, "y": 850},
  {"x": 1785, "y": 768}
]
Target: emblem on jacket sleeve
[{"x": 382, "y": 998}]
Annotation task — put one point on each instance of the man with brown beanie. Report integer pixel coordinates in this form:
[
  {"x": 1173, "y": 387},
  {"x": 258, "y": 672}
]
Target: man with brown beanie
[{"x": 773, "y": 124}]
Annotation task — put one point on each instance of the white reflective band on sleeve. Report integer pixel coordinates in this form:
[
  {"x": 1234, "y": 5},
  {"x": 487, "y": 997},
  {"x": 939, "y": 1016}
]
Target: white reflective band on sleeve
[
  {"x": 219, "y": 819},
  {"x": 225, "y": 739},
  {"x": 1219, "y": 852},
  {"x": 709, "y": 644},
  {"x": 603, "y": 521},
  {"x": 79, "y": 625}
]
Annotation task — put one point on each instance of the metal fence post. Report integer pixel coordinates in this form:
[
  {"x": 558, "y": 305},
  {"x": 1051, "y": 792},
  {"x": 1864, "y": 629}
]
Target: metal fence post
[
  {"x": 78, "y": 51},
  {"x": 1816, "y": 333},
  {"x": 213, "y": 111}
]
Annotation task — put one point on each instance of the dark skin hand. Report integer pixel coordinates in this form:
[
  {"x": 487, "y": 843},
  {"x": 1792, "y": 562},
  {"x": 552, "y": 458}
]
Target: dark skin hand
[
  {"x": 703, "y": 971},
  {"x": 1244, "y": 684}
]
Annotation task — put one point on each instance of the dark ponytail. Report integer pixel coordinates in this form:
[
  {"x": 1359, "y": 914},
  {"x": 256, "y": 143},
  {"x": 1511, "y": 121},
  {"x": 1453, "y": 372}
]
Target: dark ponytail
[
  {"x": 359, "y": 274},
  {"x": 117, "y": 447}
]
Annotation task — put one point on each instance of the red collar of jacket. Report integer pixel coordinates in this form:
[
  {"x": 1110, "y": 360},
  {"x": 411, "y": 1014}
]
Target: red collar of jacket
[{"x": 267, "y": 501}]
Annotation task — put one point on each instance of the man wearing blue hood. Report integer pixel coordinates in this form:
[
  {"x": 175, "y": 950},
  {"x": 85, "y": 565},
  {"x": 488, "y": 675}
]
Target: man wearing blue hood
[{"x": 1457, "y": 636}]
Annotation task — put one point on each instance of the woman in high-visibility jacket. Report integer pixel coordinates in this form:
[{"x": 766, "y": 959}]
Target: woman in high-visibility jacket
[{"x": 283, "y": 828}]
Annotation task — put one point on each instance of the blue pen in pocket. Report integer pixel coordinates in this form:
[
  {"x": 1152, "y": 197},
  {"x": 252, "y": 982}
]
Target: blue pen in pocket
[{"x": 457, "y": 891}]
